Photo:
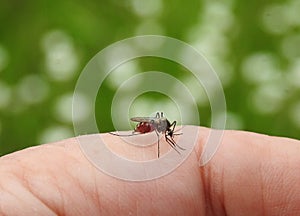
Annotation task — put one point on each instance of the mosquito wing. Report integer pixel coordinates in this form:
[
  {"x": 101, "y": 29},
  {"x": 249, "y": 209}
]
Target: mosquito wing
[{"x": 142, "y": 119}]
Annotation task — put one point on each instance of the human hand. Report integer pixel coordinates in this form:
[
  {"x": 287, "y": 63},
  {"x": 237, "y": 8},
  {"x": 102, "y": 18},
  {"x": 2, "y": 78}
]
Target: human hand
[{"x": 251, "y": 174}]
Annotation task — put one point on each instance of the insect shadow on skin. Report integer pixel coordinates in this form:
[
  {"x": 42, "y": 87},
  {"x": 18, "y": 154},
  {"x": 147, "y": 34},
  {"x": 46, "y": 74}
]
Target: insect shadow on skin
[{"x": 160, "y": 125}]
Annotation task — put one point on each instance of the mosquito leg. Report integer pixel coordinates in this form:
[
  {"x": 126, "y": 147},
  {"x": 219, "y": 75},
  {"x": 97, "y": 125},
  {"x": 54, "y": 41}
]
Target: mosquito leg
[
  {"x": 173, "y": 126},
  {"x": 173, "y": 129},
  {"x": 178, "y": 145},
  {"x": 176, "y": 134},
  {"x": 171, "y": 143},
  {"x": 158, "y": 150}
]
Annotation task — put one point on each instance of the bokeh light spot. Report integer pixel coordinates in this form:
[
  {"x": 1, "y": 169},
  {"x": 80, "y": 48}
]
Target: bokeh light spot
[
  {"x": 274, "y": 19},
  {"x": 260, "y": 68},
  {"x": 295, "y": 114},
  {"x": 233, "y": 120},
  {"x": 63, "y": 108},
  {"x": 218, "y": 14},
  {"x": 292, "y": 13},
  {"x": 212, "y": 44},
  {"x": 122, "y": 73},
  {"x": 224, "y": 71},
  {"x": 145, "y": 8},
  {"x": 119, "y": 52},
  {"x": 5, "y": 95},
  {"x": 293, "y": 76},
  {"x": 60, "y": 56},
  {"x": 196, "y": 90},
  {"x": 55, "y": 133},
  {"x": 268, "y": 98},
  {"x": 290, "y": 46},
  {"x": 32, "y": 89}
]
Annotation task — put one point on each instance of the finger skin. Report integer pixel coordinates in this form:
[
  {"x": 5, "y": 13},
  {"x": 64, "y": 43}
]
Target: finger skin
[
  {"x": 251, "y": 174},
  {"x": 59, "y": 179}
]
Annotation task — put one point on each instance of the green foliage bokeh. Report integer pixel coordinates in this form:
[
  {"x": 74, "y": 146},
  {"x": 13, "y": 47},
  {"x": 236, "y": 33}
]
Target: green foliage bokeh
[{"x": 92, "y": 25}]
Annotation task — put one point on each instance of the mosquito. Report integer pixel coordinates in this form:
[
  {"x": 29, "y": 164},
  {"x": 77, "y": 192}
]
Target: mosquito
[{"x": 160, "y": 125}]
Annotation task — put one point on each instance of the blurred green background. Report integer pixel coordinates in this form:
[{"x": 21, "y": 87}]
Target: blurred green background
[{"x": 44, "y": 45}]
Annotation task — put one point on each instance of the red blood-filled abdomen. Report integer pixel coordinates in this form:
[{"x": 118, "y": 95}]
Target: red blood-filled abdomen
[{"x": 144, "y": 127}]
